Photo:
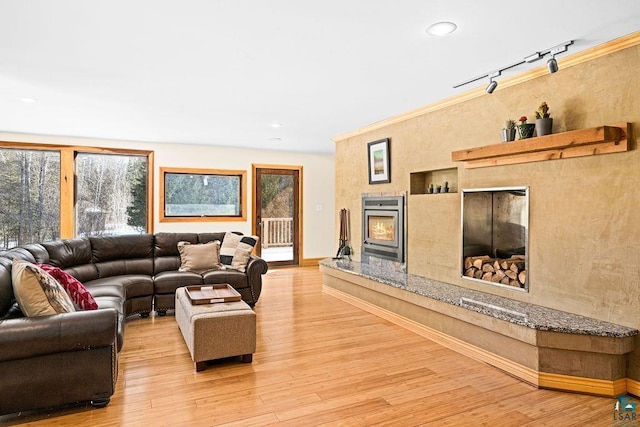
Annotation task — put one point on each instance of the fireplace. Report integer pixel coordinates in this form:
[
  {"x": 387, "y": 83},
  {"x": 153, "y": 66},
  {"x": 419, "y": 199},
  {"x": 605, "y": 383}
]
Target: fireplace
[
  {"x": 383, "y": 227},
  {"x": 495, "y": 234}
]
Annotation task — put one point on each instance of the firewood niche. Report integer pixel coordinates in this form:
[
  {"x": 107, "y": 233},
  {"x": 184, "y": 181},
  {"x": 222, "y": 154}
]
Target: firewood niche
[
  {"x": 576, "y": 143},
  {"x": 495, "y": 235}
]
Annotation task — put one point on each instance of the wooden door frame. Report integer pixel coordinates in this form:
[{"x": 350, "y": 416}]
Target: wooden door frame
[{"x": 254, "y": 191}]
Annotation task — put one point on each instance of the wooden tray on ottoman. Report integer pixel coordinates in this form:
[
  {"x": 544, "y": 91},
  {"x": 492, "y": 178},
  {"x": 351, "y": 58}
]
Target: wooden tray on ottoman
[{"x": 210, "y": 294}]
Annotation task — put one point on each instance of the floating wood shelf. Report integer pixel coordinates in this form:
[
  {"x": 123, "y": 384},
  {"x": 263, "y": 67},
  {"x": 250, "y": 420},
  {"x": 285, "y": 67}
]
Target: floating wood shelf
[{"x": 576, "y": 143}]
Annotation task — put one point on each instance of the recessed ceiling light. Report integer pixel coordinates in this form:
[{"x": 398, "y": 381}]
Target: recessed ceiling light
[
  {"x": 440, "y": 29},
  {"x": 276, "y": 125},
  {"x": 276, "y": 139},
  {"x": 28, "y": 100}
]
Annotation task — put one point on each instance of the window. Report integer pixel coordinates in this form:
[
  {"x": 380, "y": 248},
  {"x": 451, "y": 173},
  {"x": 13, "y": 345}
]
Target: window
[
  {"x": 202, "y": 195},
  {"x": 111, "y": 194},
  {"x": 29, "y": 196},
  {"x": 49, "y": 192}
]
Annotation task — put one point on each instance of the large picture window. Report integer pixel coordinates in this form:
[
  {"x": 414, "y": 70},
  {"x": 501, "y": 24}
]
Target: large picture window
[
  {"x": 50, "y": 192},
  {"x": 111, "y": 194},
  {"x": 29, "y": 196},
  {"x": 202, "y": 195}
]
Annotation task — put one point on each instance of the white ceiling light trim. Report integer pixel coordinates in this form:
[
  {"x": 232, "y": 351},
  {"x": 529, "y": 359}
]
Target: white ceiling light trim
[{"x": 440, "y": 29}]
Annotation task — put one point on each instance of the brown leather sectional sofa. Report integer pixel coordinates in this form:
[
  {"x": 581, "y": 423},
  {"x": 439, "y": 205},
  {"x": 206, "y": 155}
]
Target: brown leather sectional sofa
[{"x": 60, "y": 359}]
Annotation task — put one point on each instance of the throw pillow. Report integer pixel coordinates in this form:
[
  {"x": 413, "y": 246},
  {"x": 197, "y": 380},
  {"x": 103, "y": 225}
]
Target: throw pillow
[
  {"x": 200, "y": 257},
  {"x": 80, "y": 295},
  {"x": 236, "y": 250},
  {"x": 37, "y": 293}
]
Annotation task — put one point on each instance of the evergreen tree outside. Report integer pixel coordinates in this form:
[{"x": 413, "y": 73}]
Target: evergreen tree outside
[{"x": 137, "y": 210}]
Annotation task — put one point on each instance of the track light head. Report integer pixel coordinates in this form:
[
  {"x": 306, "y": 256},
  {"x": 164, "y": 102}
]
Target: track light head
[
  {"x": 552, "y": 64},
  {"x": 492, "y": 86}
]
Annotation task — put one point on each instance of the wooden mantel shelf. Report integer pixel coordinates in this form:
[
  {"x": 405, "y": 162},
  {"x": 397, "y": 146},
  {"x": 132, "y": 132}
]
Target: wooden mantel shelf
[{"x": 576, "y": 143}]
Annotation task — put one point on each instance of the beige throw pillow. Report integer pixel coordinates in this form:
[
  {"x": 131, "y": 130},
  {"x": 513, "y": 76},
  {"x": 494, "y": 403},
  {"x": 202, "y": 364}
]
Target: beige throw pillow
[
  {"x": 200, "y": 257},
  {"x": 37, "y": 293}
]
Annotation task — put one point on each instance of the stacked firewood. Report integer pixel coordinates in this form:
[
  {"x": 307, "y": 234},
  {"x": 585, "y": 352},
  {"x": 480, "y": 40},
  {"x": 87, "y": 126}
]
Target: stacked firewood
[{"x": 507, "y": 271}]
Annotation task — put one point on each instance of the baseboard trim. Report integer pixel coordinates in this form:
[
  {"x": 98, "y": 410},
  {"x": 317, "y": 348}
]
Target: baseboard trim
[
  {"x": 311, "y": 262},
  {"x": 633, "y": 387},
  {"x": 583, "y": 385},
  {"x": 539, "y": 379}
]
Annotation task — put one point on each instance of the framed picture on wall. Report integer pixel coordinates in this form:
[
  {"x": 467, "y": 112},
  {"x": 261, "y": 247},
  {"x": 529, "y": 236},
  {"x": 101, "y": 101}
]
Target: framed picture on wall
[{"x": 379, "y": 161}]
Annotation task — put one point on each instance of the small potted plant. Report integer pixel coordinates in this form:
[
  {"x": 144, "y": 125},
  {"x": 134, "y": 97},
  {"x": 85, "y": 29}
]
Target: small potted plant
[
  {"x": 509, "y": 131},
  {"x": 430, "y": 189},
  {"x": 445, "y": 187},
  {"x": 544, "y": 123},
  {"x": 525, "y": 129}
]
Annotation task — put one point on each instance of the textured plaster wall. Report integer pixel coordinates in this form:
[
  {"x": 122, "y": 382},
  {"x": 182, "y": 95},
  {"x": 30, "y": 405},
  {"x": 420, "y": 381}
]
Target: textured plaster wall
[{"x": 584, "y": 247}]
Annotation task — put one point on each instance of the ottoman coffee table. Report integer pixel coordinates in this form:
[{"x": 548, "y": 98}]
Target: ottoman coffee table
[{"x": 216, "y": 330}]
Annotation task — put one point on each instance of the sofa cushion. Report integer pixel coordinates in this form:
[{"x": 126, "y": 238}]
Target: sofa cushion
[
  {"x": 68, "y": 252},
  {"x": 79, "y": 294},
  {"x": 233, "y": 277},
  {"x": 236, "y": 250},
  {"x": 37, "y": 293},
  {"x": 168, "y": 281},
  {"x": 134, "y": 285},
  {"x": 199, "y": 258},
  {"x": 210, "y": 237},
  {"x": 165, "y": 252},
  {"x": 73, "y": 256},
  {"x": 123, "y": 255}
]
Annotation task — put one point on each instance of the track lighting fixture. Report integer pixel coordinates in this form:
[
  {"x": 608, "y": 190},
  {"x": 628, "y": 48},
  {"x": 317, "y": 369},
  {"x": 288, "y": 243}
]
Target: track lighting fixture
[
  {"x": 492, "y": 86},
  {"x": 552, "y": 65},
  {"x": 492, "y": 83}
]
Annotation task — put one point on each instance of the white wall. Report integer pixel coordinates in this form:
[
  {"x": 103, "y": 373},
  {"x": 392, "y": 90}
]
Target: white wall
[{"x": 317, "y": 180}]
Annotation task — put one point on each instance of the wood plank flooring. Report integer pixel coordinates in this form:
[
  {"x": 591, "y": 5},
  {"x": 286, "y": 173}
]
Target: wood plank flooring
[{"x": 319, "y": 362}]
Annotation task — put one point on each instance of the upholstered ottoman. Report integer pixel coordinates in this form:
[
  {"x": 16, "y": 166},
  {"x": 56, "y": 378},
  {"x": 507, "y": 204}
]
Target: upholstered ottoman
[{"x": 214, "y": 331}]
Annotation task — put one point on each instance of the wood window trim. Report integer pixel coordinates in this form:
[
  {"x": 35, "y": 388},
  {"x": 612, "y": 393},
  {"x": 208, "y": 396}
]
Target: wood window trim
[
  {"x": 67, "y": 181},
  {"x": 200, "y": 171}
]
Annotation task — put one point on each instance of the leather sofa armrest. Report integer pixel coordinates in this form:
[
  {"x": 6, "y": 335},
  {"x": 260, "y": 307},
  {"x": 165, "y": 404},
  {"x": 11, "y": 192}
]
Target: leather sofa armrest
[
  {"x": 34, "y": 336},
  {"x": 256, "y": 267}
]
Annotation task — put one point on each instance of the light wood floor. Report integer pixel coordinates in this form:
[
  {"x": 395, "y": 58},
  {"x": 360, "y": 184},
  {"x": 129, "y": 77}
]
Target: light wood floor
[{"x": 319, "y": 361}]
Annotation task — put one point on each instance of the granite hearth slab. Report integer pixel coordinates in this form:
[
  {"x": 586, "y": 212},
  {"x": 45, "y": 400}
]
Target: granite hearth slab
[{"x": 518, "y": 312}]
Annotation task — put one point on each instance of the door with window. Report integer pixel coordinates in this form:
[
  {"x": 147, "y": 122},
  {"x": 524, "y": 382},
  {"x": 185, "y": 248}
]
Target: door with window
[{"x": 276, "y": 214}]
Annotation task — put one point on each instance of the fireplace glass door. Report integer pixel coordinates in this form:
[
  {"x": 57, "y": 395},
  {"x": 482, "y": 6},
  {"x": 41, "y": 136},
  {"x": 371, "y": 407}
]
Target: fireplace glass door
[{"x": 381, "y": 228}]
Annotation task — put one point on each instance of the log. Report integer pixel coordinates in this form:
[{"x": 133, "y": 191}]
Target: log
[
  {"x": 496, "y": 265},
  {"x": 505, "y": 280},
  {"x": 478, "y": 261},
  {"x": 507, "y": 264},
  {"x": 516, "y": 266},
  {"x": 515, "y": 283},
  {"x": 469, "y": 272},
  {"x": 511, "y": 274},
  {"x": 498, "y": 275},
  {"x": 468, "y": 263},
  {"x": 522, "y": 277},
  {"x": 487, "y": 276},
  {"x": 487, "y": 268},
  {"x": 478, "y": 274}
]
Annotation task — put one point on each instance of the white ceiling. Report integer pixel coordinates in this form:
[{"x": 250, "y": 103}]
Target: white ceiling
[{"x": 219, "y": 72}]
